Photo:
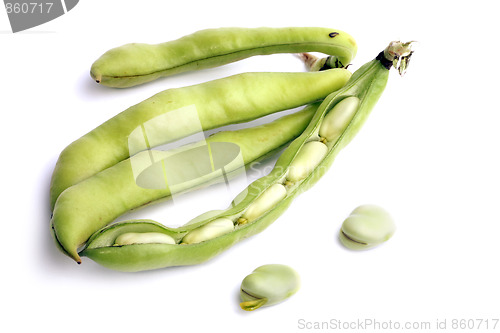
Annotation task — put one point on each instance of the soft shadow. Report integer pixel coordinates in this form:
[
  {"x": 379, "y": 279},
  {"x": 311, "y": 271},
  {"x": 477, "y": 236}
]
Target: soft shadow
[
  {"x": 50, "y": 256},
  {"x": 88, "y": 88},
  {"x": 236, "y": 300},
  {"x": 26, "y": 32}
]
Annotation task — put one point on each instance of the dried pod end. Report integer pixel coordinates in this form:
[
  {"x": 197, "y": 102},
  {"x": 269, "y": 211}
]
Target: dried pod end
[{"x": 399, "y": 54}]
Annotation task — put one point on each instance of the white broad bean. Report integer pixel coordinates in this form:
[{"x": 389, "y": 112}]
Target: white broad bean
[
  {"x": 267, "y": 200},
  {"x": 215, "y": 228},
  {"x": 307, "y": 159},
  {"x": 366, "y": 227},
  {"x": 337, "y": 120},
  {"x": 130, "y": 238}
]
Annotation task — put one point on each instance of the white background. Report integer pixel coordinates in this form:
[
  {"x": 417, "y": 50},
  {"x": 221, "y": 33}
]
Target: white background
[{"x": 428, "y": 154}]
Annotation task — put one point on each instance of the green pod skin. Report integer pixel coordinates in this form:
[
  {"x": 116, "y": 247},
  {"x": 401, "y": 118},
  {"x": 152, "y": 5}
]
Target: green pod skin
[
  {"x": 235, "y": 99},
  {"x": 137, "y": 63},
  {"x": 95, "y": 202},
  {"x": 367, "y": 84}
]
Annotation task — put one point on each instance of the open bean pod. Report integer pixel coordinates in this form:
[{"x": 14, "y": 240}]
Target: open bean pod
[
  {"x": 154, "y": 175},
  {"x": 300, "y": 166}
]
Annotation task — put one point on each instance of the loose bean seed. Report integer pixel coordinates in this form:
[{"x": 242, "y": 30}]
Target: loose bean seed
[
  {"x": 268, "y": 285},
  {"x": 366, "y": 227}
]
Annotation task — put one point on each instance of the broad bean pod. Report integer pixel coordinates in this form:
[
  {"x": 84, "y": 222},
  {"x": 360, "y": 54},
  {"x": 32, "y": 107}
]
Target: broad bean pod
[
  {"x": 180, "y": 112},
  {"x": 137, "y": 63},
  {"x": 366, "y": 84},
  {"x": 95, "y": 202}
]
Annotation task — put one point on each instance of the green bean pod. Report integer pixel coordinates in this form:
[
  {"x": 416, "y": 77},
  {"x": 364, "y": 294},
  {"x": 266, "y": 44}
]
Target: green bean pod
[
  {"x": 366, "y": 84},
  {"x": 137, "y": 63},
  {"x": 180, "y": 112},
  {"x": 95, "y": 202}
]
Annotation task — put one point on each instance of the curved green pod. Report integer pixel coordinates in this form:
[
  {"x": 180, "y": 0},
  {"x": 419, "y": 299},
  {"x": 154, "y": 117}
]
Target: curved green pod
[
  {"x": 137, "y": 63},
  {"x": 366, "y": 84},
  {"x": 95, "y": 202},
  {"x": 180, "y": 112}
]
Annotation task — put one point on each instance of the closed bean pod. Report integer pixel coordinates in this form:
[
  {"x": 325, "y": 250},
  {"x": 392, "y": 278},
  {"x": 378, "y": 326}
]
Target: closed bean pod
[
  {"x": 268, "y": 285},
  {"x": 366, "y": 227},
  {"x": 366, "y": 84},
  {"x": 137, "y": 63},
  {"x": 176, "y": 113},
  {"x": 97, "y": 201}
]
